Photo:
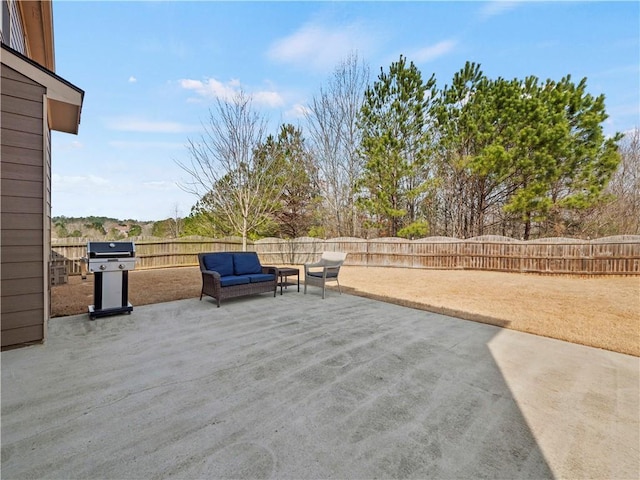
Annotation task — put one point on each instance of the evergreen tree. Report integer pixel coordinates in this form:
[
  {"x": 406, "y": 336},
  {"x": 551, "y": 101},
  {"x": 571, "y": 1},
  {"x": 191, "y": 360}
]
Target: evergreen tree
[
  {"x": 519, "y": 153},
  {"x": 465, "y": 119},
  {"x": 561, "y": 159},
  {"x": 396, "y": 146},
  {"x": 296, "y": 191}
]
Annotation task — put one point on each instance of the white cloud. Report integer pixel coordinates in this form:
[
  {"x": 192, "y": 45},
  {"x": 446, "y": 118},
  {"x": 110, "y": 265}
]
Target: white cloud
[
  {"x": 433, "y": 51},
  {"x": 320, "y": 47},
  {"x": 212, "y": 88},
  {"x": 132, "y": 79},
  {"x": 62, "y": 183},
  {"x": 132, "y": 124},
  {"x": 496, "y": 7},
  {"x": 296, "y": 111},
  {"x": 269, "y": 99}
]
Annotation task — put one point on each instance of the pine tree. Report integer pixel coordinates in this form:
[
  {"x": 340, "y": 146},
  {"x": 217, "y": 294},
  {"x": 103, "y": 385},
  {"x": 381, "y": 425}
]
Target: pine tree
[{"x": 396, "y": 146}]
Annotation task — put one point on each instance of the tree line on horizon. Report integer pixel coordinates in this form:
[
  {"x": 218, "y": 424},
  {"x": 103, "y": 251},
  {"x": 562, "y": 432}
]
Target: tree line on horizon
[{"x": 400, "y": 156}]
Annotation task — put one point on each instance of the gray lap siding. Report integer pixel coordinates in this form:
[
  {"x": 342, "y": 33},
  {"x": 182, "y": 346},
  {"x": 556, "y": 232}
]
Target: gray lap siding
[{"x": 24, "y": 209}]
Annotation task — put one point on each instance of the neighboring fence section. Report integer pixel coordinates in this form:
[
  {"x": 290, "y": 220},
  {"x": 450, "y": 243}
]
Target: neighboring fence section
[{"x": 618, "y": 255}]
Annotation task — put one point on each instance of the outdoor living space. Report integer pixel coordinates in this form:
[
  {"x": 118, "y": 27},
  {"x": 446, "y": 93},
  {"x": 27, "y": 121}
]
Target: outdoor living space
[{"x": 299, "y": 387}]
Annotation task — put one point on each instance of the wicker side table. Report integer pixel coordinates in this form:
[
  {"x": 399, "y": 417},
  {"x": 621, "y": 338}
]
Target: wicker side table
[{"x": 283, "y": 273}]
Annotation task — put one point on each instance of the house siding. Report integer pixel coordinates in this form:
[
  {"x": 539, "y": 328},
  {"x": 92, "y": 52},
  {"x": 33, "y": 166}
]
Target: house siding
[
  {"x": 12, "y": 29},
  {"x": 24, "y": 209}
]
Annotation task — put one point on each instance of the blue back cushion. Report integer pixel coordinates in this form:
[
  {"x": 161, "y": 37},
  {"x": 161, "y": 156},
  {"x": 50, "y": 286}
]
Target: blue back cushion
[
  {"x": 220, "y": 262},
  {"x": 246, "y": 263}
]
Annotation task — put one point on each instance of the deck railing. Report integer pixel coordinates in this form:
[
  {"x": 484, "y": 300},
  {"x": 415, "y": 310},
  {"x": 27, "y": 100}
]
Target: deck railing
[{"x": 619, "y": 255}]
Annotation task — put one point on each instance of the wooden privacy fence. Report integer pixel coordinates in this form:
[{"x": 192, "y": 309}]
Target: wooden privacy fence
[
  {"x": 619, "y": 255},
  {"x": 150, "y": 252}
]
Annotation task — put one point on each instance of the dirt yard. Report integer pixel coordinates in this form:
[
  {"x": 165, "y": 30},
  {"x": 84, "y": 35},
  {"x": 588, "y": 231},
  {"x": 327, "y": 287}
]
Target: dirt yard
[{"x": 601, "y": 312}]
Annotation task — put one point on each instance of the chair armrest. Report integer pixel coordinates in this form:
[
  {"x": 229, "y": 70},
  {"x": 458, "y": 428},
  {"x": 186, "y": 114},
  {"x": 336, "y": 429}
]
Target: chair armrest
[
  {"x": 270, "y": 269},
  {"x": 317, "y": 264},
  {"x": 212, "y": 273},
  {"x": 326, "y": 269},
  {"x": 308, "y": 266}
]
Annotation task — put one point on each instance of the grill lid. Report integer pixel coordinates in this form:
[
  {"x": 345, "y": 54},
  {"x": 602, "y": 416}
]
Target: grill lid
[{"x": 110, "y": 249}]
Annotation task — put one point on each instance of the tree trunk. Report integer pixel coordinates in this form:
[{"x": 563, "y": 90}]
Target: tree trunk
[
  {"x": 527, "y": 226},
  {"x": 244, "y": 234}
]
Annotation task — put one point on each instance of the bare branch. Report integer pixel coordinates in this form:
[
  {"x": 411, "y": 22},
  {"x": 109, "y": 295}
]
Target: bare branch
[
  {"x": 224, "y": 172},
  {"x": 331, "y": 119}
]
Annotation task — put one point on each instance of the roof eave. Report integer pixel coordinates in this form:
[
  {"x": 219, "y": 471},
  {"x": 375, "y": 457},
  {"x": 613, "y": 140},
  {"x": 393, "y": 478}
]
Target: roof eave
[{"x": 64, "y": 100}]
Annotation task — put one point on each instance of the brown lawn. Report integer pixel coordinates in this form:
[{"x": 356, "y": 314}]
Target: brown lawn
[{"x": 602, "y": 312}]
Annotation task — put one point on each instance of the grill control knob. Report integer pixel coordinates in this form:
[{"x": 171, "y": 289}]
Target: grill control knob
[
  {"x": 121, "y": 267},
  {"x": 103, "y": 267}
]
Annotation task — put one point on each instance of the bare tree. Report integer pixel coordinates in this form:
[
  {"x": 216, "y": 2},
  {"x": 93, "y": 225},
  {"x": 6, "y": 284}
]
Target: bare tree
[
  {"x": 619, "y": 212},
  {"x": 232, "y": 183},
  {"x": 335, "y": 138},
  {"x": 176, "y": 224},
  {"x": 626, "y": 181}
]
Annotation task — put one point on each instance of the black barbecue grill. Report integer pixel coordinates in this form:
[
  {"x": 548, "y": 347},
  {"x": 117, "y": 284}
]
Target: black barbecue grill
[{"x": 110, "y": 263}]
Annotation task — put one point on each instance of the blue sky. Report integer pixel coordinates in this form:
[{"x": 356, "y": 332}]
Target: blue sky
[{"x": 152, "y": 70}]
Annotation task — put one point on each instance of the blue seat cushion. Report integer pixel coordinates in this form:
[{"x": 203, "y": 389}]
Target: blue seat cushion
[
  {"x": 233, "y": 280},
  {"x": 261, "y": 277},
  {"x": 246, "y": 263},
  {"x": 219, "y": 262}
]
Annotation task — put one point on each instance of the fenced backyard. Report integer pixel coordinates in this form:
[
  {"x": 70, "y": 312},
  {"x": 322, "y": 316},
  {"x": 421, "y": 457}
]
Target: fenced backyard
[{"x": 619, "y": 255}]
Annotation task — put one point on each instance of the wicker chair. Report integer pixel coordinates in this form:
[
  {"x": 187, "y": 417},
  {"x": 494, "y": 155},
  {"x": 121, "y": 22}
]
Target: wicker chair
[{"x": 326, "y": 270}]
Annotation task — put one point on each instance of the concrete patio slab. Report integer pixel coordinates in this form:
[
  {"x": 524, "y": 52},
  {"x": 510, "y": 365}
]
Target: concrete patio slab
[{"x": 300, "y": 387}]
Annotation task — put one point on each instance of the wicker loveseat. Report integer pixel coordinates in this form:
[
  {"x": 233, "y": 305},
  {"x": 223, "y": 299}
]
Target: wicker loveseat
[{"x": 234, "y": 274}]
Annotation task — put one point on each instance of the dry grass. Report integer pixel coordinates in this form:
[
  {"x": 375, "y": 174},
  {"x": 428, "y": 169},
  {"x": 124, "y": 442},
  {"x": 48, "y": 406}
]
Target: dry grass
[{"x": 602, "y": 312}]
